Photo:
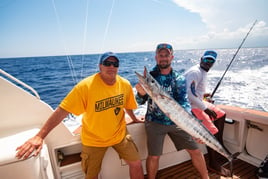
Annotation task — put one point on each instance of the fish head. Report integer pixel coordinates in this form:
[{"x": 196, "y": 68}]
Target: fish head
[{"x": 149, "y": 84}]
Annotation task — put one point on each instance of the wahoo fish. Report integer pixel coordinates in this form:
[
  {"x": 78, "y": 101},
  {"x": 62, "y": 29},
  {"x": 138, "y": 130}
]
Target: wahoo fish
[{"x": 179, "y": 115}]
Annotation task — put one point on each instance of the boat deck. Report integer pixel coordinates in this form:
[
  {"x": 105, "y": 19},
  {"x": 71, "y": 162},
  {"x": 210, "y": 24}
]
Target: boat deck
[{"x": 241, "y": 170}]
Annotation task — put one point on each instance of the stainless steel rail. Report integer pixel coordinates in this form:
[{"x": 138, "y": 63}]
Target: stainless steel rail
[{"x": 19, "y": 82}]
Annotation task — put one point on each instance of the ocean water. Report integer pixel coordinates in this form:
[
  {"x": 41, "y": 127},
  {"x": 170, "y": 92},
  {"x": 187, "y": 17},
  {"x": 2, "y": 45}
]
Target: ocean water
[{"x": 244, "y": 85}]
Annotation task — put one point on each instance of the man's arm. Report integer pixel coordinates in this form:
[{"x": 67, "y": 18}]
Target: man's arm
[
  {"x": 192, "y": 80},
  {"x": 133, "y": 116},
  {"x": 35, "y": 143}
]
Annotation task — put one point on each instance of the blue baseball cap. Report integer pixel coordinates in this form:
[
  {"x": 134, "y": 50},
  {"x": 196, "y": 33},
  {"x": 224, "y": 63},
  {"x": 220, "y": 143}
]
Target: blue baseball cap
[
  {"x": 210, "y": 54},
  {"x": 106, "y": 55}
]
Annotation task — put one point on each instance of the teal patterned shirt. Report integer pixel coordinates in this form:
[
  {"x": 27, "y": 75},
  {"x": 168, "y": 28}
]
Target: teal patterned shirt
[{"x": 175, "y": 84}]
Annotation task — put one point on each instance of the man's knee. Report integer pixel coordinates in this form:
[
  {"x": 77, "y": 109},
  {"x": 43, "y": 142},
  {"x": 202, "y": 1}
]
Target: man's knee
[
  {"x": 136, "y": 163},
  {"x": 153, "y": 157},
  {"x": 195, "y": 152}
]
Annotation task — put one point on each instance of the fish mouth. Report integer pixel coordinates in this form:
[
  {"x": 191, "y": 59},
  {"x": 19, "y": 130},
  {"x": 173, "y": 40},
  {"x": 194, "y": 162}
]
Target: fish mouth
[{"x": 139, "y": 75}]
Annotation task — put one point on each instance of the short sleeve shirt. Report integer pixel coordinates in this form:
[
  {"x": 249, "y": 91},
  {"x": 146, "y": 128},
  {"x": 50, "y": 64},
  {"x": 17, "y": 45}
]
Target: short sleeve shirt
[
  {"x": 175, "y": 84},
  {"x": 102, "y": 106}
]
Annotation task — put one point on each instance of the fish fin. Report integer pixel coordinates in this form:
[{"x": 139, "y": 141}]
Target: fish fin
[
  {"x": 221, "y": 171},
  {"x": 145, "y": 72},
  {"x": 234, "y": 157}
]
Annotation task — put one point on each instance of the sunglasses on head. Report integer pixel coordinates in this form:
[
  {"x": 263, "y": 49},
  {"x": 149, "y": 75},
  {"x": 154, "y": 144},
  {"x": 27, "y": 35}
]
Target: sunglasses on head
[
  {"x": 109, "y": 63},
  {"x": 160, "y": 46},
  {"x": 208, "y": 60}
]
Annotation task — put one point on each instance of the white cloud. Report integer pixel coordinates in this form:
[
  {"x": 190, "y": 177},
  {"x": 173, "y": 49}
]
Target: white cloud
[
  {"x": 227, "y": 19},
  {"x": 221, "y": 14}
]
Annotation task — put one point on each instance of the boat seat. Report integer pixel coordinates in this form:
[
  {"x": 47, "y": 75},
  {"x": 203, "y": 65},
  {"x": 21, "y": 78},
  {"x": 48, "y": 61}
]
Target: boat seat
[
  {"x": 10, "y": 143},
  {"x": 30, "y": 168}
]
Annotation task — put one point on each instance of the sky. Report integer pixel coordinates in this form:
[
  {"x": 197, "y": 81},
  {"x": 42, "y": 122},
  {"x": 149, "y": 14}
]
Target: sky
[{"x": 65, "y": 27}]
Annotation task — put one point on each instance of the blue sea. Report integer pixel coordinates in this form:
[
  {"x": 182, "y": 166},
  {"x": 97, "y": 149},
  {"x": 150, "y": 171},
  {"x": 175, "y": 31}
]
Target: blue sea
[{"x": 245, "y": 83}]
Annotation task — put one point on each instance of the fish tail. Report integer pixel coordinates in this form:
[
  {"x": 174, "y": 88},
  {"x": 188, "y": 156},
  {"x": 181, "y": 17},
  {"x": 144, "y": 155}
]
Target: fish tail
[
  {"x": 230, "y": 162},
  {"x": 231, "y": 168}
]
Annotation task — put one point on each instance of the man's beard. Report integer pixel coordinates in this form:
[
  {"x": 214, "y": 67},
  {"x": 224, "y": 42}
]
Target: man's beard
[{"x": 164, "y": 66}]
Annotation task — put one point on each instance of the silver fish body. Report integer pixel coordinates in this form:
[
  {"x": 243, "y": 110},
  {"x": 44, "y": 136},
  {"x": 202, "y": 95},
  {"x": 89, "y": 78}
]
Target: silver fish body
[{"x": 179, "y": 115}]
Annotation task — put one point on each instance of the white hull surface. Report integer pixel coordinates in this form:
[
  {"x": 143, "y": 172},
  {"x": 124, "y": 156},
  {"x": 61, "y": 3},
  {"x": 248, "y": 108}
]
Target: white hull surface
[{"x": 22, "y": 114}]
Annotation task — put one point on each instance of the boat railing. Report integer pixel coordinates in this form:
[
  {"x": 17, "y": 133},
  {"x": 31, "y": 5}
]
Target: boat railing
[{"x": 7, "y": 75}]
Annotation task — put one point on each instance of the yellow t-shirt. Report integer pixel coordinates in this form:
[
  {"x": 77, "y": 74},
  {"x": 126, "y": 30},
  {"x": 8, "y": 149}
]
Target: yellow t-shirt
[{"x": 102, "y": 106}]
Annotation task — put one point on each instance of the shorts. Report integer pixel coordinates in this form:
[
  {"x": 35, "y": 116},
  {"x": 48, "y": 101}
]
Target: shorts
[
  {"x": 92, "y": 156},
  {"x": 206, "y": 120},
  {"x": 156, "y": 134}
]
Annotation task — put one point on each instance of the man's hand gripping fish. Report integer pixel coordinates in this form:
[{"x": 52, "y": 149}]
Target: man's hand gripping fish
[{"x": 179, "y": 115}]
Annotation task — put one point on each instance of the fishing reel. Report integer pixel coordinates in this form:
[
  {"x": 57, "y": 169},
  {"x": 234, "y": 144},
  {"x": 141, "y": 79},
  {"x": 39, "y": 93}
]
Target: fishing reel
[{"x": 207, "y": 97}]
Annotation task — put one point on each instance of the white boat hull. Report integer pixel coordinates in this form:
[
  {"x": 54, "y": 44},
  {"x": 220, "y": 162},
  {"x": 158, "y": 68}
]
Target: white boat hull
[{"x": 21, "y": 112}]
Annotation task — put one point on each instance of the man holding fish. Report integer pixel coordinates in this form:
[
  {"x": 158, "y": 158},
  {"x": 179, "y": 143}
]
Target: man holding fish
[{"x": 158, "y": 123}]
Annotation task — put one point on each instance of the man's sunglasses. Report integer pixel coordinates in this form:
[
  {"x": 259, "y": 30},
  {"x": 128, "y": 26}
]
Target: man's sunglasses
[
  {"x": 208, "y": 60},
  {"x": 109, "y": 63}
]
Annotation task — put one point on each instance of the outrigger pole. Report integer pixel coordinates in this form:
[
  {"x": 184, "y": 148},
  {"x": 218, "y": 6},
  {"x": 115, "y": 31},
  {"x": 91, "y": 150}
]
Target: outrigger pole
[{"x": 232, "y": 59}]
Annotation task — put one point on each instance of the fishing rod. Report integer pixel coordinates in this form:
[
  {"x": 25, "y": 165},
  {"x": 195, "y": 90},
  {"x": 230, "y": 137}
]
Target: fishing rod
[{"x": 217, "y": 86}]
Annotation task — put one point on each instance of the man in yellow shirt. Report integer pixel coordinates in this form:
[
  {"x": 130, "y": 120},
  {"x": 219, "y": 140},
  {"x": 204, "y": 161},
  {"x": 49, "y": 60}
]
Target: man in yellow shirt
[{"x": 102, "y": 98}]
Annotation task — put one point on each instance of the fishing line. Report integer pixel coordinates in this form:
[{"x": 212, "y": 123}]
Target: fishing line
[
  {"x": 106, "y": 29},
  {"x": 232, "y": 59},
  {"x": 69, "y": 59},
  {"x": 107, "y": 25},
  {"x": 84, "y": 41}
]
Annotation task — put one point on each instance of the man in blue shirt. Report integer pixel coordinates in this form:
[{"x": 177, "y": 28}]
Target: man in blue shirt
[{"x": 157, "y": 124}]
